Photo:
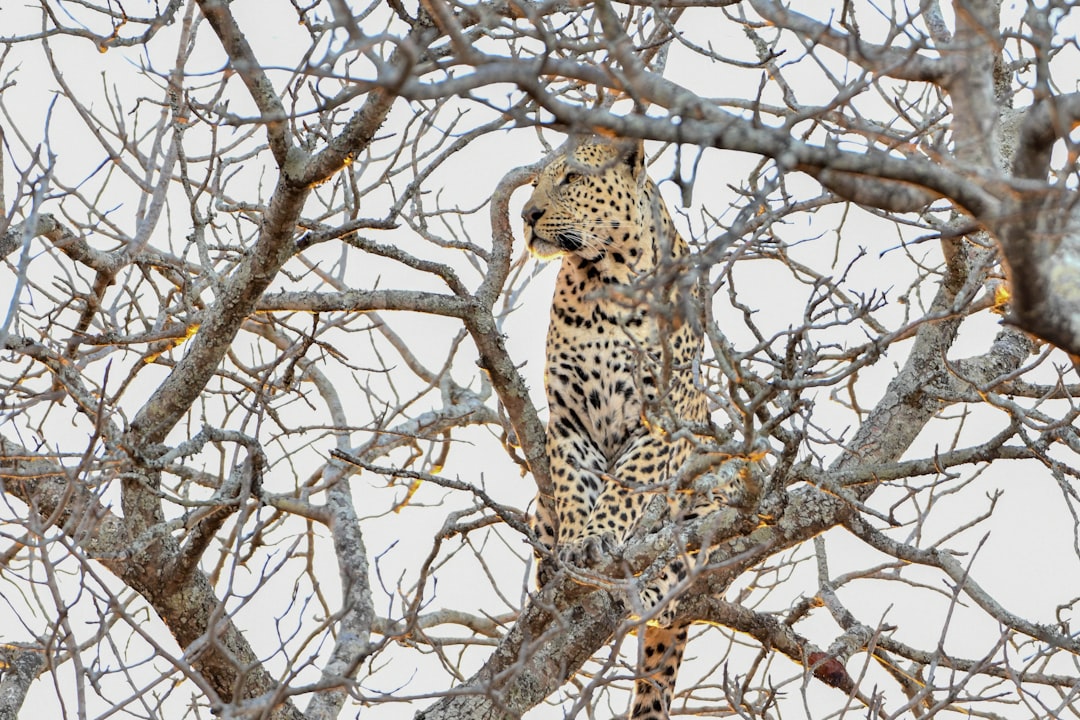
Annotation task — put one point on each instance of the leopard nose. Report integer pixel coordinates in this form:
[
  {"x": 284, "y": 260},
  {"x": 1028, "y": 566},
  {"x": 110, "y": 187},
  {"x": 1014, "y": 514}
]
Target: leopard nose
[{"x": 532, "y": 215}]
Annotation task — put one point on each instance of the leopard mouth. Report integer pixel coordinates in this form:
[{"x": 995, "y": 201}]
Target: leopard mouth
[
  {"x": 569, "y": 240},
  {"x": 563, "y": 241}
]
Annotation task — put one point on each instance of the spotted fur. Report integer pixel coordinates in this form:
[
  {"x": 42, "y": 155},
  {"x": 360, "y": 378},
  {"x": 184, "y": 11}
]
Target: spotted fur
[{"x": 619, "y": 375}]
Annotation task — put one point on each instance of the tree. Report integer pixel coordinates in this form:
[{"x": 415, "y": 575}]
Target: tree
[{"x": 271, "y": 357}]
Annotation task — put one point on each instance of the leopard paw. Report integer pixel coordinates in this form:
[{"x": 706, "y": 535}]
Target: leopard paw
[
  {"x": 589, "y": 550},
  {"x": 545, "y": 570}
]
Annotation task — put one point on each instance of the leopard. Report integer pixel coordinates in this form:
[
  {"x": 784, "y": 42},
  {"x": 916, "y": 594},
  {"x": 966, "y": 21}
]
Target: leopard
[{"x": 622, "y": 379}]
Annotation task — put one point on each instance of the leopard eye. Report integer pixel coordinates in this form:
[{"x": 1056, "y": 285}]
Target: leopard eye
[{"x": 571, "y": 177}]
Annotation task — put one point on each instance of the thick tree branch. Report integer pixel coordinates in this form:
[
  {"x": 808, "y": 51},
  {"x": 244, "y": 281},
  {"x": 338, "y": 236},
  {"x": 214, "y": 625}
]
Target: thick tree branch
[
  {"x": 971, "y": 86},
  {"x": 146, "y": 562},
  {"x": 19, "y": 667},
  {"x": 537, "y": 656},
  {"x": 900, "y": 63},
  {"x": 242, "y": 60},
  {"x": 1045, "y": 122},
  {"x": 771, "y": 632},
  {"x": 363, "y": 301},
  {"x": 237, "y": 300},
  {"x": 490, "y": 343}
]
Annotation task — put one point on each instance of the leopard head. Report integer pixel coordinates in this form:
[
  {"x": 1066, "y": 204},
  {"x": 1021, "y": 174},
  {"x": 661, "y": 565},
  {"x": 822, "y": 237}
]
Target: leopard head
[{"x": 587, "y": 201}]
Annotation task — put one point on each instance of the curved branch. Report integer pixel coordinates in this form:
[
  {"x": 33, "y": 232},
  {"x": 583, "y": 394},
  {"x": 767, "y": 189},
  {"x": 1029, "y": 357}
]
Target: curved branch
[
  {"x": 494, "y": 358},
  {"x": 1044, "y": 124},
  {"x": 887, "y": 195},
  {"x": 47, "y": 226},
  {"x": 900, "y": 63},
  {"x": 242, "y": 60},
  {"x": 353, "y": 634},
  {"x": 703, "y": 123}
]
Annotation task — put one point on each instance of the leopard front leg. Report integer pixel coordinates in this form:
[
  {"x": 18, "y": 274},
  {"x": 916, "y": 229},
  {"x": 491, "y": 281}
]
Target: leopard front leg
[
  {"x": 576, "y": 465},
  {"x": 640, "y": 470},
  {"x": 647, "y": 462},
  {"x": 544, "y": 524},
  {"x": 613, "y": 505}
]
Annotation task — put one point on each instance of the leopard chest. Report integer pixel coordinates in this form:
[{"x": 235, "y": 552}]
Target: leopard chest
[
  {"x": 593, "y": 390},
  {"x": 598, "y": 371}
]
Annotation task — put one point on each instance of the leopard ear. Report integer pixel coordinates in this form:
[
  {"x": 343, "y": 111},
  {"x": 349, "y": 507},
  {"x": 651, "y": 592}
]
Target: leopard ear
[{"x": 634, "y": 157}]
